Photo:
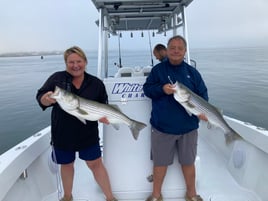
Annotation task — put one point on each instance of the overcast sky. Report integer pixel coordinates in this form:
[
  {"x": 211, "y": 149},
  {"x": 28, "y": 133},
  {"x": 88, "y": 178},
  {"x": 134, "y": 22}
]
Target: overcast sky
[{"x": 34, "y": 25}]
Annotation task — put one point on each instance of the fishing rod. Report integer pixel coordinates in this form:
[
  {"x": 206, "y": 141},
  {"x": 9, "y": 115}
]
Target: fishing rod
[
  {"x": 120, "y": 63},
  {"x": 150, "y": 44}
]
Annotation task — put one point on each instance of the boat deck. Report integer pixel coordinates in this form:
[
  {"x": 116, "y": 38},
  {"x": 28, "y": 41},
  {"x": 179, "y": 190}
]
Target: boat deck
[{"x": 214, "y": 181}]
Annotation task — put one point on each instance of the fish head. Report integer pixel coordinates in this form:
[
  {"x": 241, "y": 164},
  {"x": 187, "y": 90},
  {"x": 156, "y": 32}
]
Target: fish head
[
  {"x": 65, "y": 99},
  {"x": 181, "y": 93}
]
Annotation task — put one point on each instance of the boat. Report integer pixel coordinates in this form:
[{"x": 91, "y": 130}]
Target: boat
[{"x": 225, "y": 172}]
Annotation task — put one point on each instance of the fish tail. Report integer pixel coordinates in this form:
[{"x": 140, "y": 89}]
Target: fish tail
[
  {"x": 115, "y": 126},
  {"x": 231, "y": 136},
  {"x": 136, "y": 127}
]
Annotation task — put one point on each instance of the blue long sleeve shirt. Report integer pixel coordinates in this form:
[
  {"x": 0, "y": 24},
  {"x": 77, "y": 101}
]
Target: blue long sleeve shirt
[{"x": 167, "y": 114}]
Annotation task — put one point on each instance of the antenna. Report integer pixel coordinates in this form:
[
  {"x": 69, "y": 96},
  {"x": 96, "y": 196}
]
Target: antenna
[{"x": 150, "y": 44}]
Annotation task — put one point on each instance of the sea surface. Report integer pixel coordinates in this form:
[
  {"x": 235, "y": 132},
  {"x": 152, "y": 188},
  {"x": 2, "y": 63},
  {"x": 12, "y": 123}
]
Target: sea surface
[{"x": 237, "y": 80}]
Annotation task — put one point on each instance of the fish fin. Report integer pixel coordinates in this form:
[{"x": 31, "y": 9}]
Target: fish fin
[
  {"x": 180, "y": 98},
  {"x": 231, "y": 136},
  {"x": 190, "y": 114},
  {"x": 82, "y": 120},
  {"x": 82, "y": 112},
  {"x": 115, "y": 126},
  {"x": 136, "y": 127},
  {"x": 115, "y": 107},
  {"x": 190, "y": 105},
  {"x": 209, "y": 125},
  {"x": 220, "y": 110},
  {"x": 177, "y": 97}
]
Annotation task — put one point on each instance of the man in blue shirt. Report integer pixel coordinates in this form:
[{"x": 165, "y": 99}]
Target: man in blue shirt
[{"x": 173, "y": 129}]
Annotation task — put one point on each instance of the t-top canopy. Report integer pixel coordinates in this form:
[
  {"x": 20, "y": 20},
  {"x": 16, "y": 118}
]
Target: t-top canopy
[{"x": 128, "y": 15}]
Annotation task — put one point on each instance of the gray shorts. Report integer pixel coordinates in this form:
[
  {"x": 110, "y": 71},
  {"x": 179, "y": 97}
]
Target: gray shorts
[{"x": 164, "y": 146}]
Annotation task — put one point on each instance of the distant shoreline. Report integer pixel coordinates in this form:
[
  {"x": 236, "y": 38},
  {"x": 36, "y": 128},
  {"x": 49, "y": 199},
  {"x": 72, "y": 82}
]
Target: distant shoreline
[
  {"x": 60, "y": 52},
  {"x": 25, "y": 54}
]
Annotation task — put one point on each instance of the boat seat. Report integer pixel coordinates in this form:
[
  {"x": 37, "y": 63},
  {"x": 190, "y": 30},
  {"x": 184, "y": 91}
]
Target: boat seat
[
  {"x": 133, "y": 72},
  {"x": 125, "y": 72},
  {"x": 146, "y": 70}
]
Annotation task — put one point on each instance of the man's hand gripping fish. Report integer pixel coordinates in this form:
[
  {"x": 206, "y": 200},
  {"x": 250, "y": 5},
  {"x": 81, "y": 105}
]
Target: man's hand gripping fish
[{"x": 196, "y": 105}]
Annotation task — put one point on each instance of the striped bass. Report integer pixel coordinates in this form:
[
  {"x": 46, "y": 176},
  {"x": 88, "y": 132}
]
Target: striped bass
[
  {"x": 196, "y": 105},
  {"x": 84, "y": 109}
]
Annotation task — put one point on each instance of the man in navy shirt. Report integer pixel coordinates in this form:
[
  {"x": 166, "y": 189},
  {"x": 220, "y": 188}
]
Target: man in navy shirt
[{"x": 173, "y": 129}]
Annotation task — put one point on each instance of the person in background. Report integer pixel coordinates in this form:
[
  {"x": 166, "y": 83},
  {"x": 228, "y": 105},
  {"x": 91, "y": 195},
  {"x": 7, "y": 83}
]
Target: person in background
[
  {"x": 160, "y": 52},
  {"x": 70, "y": 135},
  {"x": 173, "y": 129}
]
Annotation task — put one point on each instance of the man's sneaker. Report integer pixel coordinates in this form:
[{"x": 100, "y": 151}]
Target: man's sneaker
[
  {"x": 195, "y": 198},
  {"x": 66, "y": 199},
  {"x": 151, "y": 198},
  {"x": 114, "y": 199}
]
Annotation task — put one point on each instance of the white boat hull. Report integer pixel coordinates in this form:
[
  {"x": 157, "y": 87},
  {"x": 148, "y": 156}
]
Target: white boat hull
[{"x": 237, "y": 172}]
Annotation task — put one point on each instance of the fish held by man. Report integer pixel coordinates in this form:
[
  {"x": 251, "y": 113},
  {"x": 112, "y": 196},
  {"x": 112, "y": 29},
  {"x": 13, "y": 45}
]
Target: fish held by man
[
  {"x": 196, "y": 105},
  {"x": 84, "y": 109}
]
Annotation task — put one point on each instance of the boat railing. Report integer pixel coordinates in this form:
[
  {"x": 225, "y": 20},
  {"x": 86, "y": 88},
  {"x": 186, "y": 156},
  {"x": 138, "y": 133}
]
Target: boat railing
[{"x": 17, "y": 164}]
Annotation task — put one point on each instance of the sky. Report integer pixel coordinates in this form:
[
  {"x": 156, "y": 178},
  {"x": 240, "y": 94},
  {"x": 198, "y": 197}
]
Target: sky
[{"x": 48, "y": 25}]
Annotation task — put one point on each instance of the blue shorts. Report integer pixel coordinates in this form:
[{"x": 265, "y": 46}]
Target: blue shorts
[{"x": 65, "y": 157}]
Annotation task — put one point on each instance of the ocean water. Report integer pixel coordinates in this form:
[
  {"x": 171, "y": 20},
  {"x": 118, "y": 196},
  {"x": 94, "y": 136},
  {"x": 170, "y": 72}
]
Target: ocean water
[{"x": 237, "y": 80}]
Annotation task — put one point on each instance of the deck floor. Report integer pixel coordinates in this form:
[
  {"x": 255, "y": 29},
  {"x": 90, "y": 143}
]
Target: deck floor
[{"x": 214, "y": 183}]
